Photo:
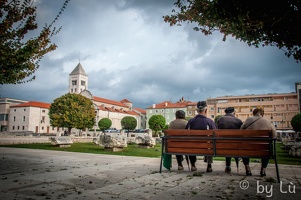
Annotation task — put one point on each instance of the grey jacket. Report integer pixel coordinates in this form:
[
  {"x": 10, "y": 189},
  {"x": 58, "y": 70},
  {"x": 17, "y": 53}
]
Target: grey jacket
[
  {"x": 178, "y": 124},
  {"x": 260, "y": 124}
]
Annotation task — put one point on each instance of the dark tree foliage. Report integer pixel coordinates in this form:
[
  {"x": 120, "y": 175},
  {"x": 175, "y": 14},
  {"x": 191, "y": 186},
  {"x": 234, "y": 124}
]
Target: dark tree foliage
[
  {"x": 72, "y": 111},
  {"x": 128, "y": 123},
  {"x": 104, "y": 124},
  {"x": 157, "y": 123},
  {"x": 254, "y": 22},
  {"x": 19, "y": 54},
  {"x": 216, "y": 118},
  {"x": 296, "y": 122}
]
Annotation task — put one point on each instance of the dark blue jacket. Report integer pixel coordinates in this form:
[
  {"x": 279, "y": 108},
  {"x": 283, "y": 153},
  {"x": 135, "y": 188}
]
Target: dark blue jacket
[
  {"x": 229, "y": 121},
  {"x": 200, "y": 122}
]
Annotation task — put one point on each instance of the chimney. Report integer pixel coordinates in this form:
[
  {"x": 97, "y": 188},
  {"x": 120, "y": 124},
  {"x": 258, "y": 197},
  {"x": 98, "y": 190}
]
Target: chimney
[
  {"x": 165, "y": 104},
  {"x": 154, "y": 105}
]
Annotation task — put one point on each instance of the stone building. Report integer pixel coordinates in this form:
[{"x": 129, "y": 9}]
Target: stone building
[
  {"x": 168, "y": 109},
  {"x": 22, "y": 116},
  {"x": 5, "y": 104},
  {"x": 31, "y": 116},
  {"x": 278, "y": 108}
]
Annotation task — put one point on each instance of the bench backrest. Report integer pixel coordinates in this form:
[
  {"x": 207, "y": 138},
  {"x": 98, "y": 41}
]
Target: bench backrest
[{"x": 221, "y": 142}]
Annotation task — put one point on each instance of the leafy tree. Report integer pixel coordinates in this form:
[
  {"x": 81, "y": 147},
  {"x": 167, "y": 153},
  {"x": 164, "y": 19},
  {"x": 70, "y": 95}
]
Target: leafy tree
[
  {"x": 156, "y": 123},
  {"x": 72, "y": 111},
  {"x": 104, "y": 124},
  {"x": 20, "y": 54},
  {"x": 187, "y": 118},
  {"x": 216, "y": 118},
  {"x": 296, "y": 122},
  {"x": 251, "y": 21},
  {"x": 128, "y": 123}
]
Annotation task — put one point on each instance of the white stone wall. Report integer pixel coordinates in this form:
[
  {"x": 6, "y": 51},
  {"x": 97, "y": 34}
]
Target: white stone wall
[{"x": 36, "y": 120}]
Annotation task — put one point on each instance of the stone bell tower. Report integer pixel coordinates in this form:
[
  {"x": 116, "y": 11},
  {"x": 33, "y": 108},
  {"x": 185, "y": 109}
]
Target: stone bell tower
[{"x": 78, "y": 80}]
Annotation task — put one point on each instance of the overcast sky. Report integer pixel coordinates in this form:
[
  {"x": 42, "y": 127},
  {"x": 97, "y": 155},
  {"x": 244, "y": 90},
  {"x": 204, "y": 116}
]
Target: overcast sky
[{"x": 128, "y": 51}]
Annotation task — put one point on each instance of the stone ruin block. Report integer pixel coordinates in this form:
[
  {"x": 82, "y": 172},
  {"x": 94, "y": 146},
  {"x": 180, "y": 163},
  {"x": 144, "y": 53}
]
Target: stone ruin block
[{"x": 61, "y": 141}]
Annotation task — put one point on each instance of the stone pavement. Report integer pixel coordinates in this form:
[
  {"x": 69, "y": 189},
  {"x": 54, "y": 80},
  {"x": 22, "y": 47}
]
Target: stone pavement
[{"x": 41, "y": 174}]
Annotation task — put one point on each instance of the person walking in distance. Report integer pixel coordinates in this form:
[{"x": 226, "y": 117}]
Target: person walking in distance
[
  {"x": 257, "y": 122},
  {"x": 229, "y": 121},
  {"x": 201, "y": 122},
  {"x": 179, "y": 123}
]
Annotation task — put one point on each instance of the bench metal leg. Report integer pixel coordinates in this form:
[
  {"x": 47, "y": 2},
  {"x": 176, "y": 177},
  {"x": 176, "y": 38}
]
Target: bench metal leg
[
  {"x": 276, "y": 163},
  {"x": 162, "y": 154}
]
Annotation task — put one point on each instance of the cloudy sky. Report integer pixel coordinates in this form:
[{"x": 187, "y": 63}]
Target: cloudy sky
[{"x": 128, "y": 51}]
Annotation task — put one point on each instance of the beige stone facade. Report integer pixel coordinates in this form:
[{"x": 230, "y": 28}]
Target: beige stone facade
[
  {"x": 31, "y": 117},
  {"x": 5, "y": 104},
  {"x": 278, "y": 108}
]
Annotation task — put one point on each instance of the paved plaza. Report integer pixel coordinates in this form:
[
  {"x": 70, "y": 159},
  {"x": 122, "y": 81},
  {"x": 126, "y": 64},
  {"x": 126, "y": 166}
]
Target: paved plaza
[{"x": 42, "y": 174}]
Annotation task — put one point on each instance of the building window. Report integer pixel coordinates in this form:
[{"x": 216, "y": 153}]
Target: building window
[
  {"x": 43, "y": 111},
  {"x": 189, "y": 112},
  {"x": 212, "y": 108},
  {"x": 74, "y": 82},
  {"x": 23, "y": 127},
  {"x": 13, "y": 127},
  {"x": 162, "y": 111},
  {"x": 83, "y": 82},
  {"x": 212, "y": 116},
  {"x": 167, "y": 111},
  {"x": 156, "y": 111},
  {"x": 42, "y": 127},
  {"x": 3, "y": 117},
  {"x": 23, "y": 118},
  {"x": 18, "y": 127},
  {"x": 71, "y": 90},
  {"x": 43, "y": 119},
  {"x": 15, "y": 110},
  {"x": 24, "y": 109},
  {"x": 14, "y": 118}
]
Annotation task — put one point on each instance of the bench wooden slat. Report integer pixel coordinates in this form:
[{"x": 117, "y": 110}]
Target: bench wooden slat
[
  {"x": 186, "y": 132},
  {"x": 242, "y": 153},
  {"x": 190, "y": 151},
  {"x": 242, "y": 145},
  {"x": 189, "y": 144},
  {"x": 236, "y": 133}
]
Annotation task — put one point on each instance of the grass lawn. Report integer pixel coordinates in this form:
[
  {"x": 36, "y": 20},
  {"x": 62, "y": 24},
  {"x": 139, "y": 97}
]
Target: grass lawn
[{"x": 134, "y": 150}]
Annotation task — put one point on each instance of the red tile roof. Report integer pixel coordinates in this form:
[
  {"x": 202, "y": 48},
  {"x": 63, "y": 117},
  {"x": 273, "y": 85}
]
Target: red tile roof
[
  {"x": 169, "y": 104},
  {"x": 125, "y": 101},
  {"x": 142, "y": 111},
  {"x": 103, "y": 100},
  {"x": 33, "y": 104}
]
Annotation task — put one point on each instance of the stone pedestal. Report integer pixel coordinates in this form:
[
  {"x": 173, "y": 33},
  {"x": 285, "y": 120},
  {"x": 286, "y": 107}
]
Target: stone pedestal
[
  {"x": 113, "y": 149},
  {"x": 61, "y": 141}
]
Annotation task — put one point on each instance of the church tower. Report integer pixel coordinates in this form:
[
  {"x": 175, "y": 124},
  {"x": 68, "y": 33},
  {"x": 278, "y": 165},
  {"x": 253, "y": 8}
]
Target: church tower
[{"x": 78, "y": 80}]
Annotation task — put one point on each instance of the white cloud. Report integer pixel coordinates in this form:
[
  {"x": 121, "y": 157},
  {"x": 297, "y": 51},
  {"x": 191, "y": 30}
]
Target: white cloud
[{"x": 129, "y": 52}]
